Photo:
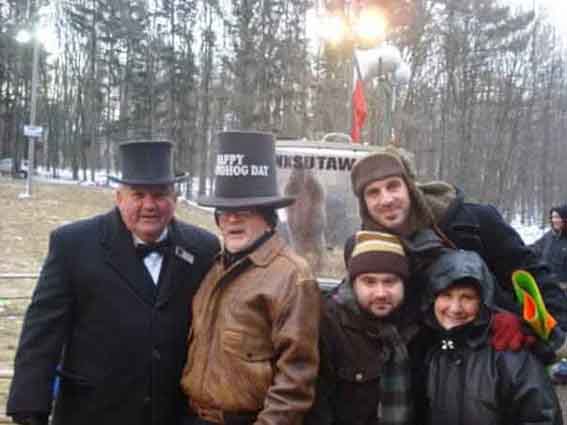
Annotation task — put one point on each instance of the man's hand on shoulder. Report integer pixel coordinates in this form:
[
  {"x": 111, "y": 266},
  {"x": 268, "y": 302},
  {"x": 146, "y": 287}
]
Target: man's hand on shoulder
[{"x": 558, "y": 342}]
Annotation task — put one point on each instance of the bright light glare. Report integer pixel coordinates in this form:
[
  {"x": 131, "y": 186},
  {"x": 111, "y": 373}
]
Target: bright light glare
[
  {"x": 23, "y": 36},
  {"x": 332, "y": 28},
  {"x": 44, "y": 35},
  {"x": 48, "y": 39},
  {"x": 44, "y": 32},
  {"x": 370, "y": 27}
]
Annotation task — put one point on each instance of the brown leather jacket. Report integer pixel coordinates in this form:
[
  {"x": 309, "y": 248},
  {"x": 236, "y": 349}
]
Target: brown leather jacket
[{"x": 253, "y": 344}]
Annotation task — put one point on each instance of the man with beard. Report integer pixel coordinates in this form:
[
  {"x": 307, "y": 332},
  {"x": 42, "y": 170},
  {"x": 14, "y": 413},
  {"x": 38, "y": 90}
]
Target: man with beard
[
  {"x": 364, "y": 377},
  {"x": 391, "y": 199}
]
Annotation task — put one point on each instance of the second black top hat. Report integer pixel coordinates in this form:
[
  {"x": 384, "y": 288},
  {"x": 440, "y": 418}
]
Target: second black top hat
[{"x": 245, "y": 172}]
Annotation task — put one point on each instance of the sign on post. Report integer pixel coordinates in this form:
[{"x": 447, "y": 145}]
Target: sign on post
[{"x": 33, "y": 131}]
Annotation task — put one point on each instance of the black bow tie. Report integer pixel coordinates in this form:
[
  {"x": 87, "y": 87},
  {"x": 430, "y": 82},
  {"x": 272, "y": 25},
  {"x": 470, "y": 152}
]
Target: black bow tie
[{"x": 143, "y": 250}]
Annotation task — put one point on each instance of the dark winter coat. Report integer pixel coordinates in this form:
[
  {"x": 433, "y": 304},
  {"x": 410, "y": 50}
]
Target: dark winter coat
[
  {"x": 118, "y": 343},
  {"x": 352, "y": 361},
  {"x": 552, "y": 248},
  {"x": 481, "y": 228},
  {"x": 467, "y": 381}
]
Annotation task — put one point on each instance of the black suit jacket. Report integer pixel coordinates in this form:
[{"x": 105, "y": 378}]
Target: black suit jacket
[{"x": 96, "y": 319}]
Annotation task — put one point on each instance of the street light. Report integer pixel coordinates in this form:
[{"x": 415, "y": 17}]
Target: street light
[
  {"x": 333, "y": 28},
  {"x": 386, "y": 64},
  {"x": 351, "y": 26},
  {"x": 23, "y": 35},
  {"x": 369, "y": 27},
  {"x": 348, "y": 26}
]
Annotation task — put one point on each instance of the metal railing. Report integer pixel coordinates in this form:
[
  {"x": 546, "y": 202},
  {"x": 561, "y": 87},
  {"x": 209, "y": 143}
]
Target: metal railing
[
  {"x": 19, "y": 275},
  {"x": 6, "y": 373},
  {"x": 5, "y": 297}
]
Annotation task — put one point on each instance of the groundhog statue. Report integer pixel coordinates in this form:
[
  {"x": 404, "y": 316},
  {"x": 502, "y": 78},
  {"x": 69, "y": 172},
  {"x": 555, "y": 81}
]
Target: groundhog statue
[{"x": 306, "y": 218}]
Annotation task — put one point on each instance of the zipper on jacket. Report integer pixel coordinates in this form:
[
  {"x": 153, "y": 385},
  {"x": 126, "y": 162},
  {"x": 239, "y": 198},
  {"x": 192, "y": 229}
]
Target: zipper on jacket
[
  {"x": 221, "y": 280},
  {"x": 460, "y": 363}
]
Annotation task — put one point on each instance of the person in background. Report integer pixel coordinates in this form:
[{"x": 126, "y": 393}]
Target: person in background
[
  {"x": 391, "y": 199},
  {"x": 111, "y": 310},
  {"x": 466, "y": 381},
  {"x": 552, "y": 246},
  {"x": 552, "y": 249},
  {"x": 253, "y": 355}
]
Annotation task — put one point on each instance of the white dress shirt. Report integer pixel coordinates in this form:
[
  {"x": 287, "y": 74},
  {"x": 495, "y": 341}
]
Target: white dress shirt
[{"x": 154, "y": 260}]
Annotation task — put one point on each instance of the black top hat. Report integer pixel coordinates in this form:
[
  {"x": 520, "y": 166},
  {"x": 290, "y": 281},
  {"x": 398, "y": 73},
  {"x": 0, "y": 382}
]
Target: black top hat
[
  {"x": 146, "y": 163},
  {"x": 245, "y": 172}
]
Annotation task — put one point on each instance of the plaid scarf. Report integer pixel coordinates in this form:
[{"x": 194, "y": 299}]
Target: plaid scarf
[
  {"x": 395, "y": 406},
  {"x": 395, "y": 396}
]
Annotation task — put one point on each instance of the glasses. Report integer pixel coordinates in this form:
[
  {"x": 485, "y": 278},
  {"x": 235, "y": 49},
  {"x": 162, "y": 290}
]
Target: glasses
[{"x": 236, "y": 213}]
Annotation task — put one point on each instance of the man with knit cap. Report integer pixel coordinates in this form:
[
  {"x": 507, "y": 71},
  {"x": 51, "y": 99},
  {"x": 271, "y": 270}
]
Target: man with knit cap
[
  {"x": 364, "y": 377},
  {"x": 391, "y": 199}
]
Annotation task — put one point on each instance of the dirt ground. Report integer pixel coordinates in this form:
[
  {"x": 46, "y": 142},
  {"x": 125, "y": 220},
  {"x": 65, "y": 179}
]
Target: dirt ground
[{"x": 24, "y": 231}]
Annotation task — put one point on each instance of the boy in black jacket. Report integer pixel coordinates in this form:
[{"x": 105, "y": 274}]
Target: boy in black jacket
[{"x": 467, "y": 381}]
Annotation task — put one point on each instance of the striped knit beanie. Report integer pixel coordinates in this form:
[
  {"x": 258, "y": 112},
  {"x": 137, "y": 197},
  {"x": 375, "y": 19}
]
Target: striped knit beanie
[{"x": 378, "y": 252}]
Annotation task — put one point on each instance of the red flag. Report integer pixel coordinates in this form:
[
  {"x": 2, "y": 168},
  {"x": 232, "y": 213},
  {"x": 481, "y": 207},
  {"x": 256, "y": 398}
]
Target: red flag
[{"x": 359, "y": 110}]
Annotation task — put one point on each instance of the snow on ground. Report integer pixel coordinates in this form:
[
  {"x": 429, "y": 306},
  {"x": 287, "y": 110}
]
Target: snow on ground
[
  {"x": 529, "y": 233},
  {"x": 65, "y": 176}
]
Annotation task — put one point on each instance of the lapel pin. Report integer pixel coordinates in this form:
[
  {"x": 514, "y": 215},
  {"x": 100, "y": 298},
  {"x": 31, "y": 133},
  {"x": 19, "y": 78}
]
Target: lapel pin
[{"x": 184, "y": 255}]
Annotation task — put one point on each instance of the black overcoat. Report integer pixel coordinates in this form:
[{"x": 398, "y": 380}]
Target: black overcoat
[
  {"x": 552, "y": 248},
  {"x": 117, "y": 342}
]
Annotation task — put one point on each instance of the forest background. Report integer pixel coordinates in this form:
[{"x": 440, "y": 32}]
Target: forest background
[{"x": 485, "y": 106}]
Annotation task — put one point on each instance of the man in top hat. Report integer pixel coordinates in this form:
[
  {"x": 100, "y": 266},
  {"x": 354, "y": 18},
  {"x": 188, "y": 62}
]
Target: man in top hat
[
  {"x": 391, "y": 199},
  {"x": 253, "y": 353},
  {"x": 111, "y": 310}
]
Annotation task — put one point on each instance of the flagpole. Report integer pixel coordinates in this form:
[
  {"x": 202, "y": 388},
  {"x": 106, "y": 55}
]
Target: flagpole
[
  {"x": 355, "y": 69},
  {"x": 356, "y": 65},
  {"x": 354, "y": 76},
  {"x": 359, "y": 108},
  {"x": 351, "y": 84}
]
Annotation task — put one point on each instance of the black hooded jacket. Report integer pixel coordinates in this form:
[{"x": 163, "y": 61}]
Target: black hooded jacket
[
  {"x": 481, "y": 228},
  {"x": 552, "y": 247},
  {"x": 468, "y": 382}
]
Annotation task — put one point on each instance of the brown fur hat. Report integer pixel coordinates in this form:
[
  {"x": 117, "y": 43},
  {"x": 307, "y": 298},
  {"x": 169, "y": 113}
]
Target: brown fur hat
[
  {"x": 428, "y": 201},
  {"x": 384, "y": 162}
]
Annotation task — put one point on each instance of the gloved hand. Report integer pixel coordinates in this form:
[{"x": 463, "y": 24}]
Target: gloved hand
[
  {"x": 30, "y": 418},
  {"x": 558, "y": 342},
  {"x": 534, "y": 311},
  {"x": 508, "y": 333}
]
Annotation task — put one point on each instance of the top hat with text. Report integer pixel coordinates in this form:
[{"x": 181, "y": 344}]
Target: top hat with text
[
  {"x": 245, "y": 172},
  {"x": 145, "y": 163}
]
